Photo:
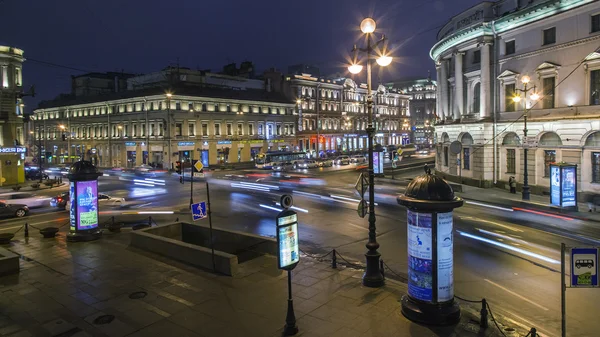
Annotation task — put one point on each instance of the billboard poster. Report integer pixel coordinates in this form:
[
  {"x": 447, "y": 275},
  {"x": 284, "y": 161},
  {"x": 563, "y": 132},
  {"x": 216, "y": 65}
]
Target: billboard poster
[
  {"x": 445, "y": 265},
  {"x": 555, "y": 185},
  {"x": 87, "y": 204},
  {"x": 569, "y": 186},
  {"x": 376, "y": 163},
  {"x": 72, "y": 213},
  {"x": 287, "y": 239},
  {"x": 419, "y": 255}
]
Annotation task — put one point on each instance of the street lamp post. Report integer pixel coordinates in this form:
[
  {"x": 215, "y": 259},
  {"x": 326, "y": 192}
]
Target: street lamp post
[
  {"x": 525, "y": 193},
  {"x": 373, "y": 276},
  {"x": 169, "y": 153}
]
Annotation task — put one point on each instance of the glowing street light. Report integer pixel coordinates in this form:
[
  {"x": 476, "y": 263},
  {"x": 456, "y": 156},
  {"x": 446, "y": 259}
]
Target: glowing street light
[
  {"x": 368, "y": 26},
  {"x": 355, "y": 68},
  {"x": 384, "y": 60}
]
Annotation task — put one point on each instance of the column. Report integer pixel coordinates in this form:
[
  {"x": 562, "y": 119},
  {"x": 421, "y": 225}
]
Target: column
[
  {"x": 438, "y": 90},
  {"x": 444, "y": 111},
  {"x": 458, "y": 85},
  {"x": 212, "y": 153},
  {"x": 485, "y": 88},
  {"x": 246, "y": 153},
  {"x": 233, "y": 153}
]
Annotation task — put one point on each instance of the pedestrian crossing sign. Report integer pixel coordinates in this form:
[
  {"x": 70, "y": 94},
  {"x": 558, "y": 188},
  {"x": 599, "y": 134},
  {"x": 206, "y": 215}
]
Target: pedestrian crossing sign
[{"x": 199, "y": 211}]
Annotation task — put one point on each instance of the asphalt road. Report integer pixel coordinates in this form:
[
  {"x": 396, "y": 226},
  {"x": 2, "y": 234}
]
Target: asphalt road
[{"x": 497, "y": 256}]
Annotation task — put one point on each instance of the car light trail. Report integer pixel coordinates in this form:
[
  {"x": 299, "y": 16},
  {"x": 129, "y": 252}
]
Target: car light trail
[
  {"x": 307, "y": 194},
  {"x": 294, "y": 207},
  {"x": 142, "y": 183},
  {"x": 262, "y": 189},
  {"x": 514, "y": 249},
  {"x": 543, "y": 213},
  {"x": 259, "y": 185},
  {"x": 155, "y": 212},
  {"x": 270, "y": 207},
  {"x": 489, "y": 206},
  {"x": 346, "y": 198}
]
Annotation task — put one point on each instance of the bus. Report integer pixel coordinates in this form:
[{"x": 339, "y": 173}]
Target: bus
[{"x": 266, "y": 160}]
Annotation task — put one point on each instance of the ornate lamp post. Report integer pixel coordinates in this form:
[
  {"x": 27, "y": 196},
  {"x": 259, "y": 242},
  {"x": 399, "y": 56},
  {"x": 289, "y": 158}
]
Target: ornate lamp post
[
  {"x": 373, "y": 276},
  {"x": 517, "y": 98}
]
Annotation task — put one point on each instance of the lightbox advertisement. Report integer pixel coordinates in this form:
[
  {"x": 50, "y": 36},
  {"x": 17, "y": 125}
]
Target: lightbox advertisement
[
  {"x": 445, "y": 265},
  {"x": 569, "y": 186},
  {"x": 287, "y": 239},
  {"x": 72, "y": 210},
  {"x": 555, "y": 185},
  {"x": 419, "y": 256},
  {"x": 87, "y": 204}
]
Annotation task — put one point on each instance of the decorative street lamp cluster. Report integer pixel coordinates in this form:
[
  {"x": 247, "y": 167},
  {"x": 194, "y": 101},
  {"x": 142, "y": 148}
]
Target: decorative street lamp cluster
[
  {"x": 517, "y": 98},
  {"x": 373, "y": 276}
]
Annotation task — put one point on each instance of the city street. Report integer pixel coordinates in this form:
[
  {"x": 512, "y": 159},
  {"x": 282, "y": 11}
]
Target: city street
[{"x": 497, "y": 255}]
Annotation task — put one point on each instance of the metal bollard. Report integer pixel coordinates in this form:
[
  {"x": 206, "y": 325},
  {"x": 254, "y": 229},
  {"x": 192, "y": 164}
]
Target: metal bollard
[
  {"x": 381, "y": 268},
  {"x": 26, "y": 230},
  {"x": 483, "y": 323},
  {"x": 533, "y": 332},
  {"x": 113, "y": 220},
  {"x": 150, "y": 221},
  {"x": 334, "y": 260}
]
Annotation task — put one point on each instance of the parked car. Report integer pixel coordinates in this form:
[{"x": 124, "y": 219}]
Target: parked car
[
  {"x": 308, "y": 164},
  {"x": 13, "y": 210},
  {"x": 60, "y": 201},
  {"x": 342, "y": 160},
  {"x": 24, "y": 198},
  {"x": 33, "y": 174},
  {"x": 325, "y": 162},
  {"x": 105, "y": 200},
  {"x": 281, "y": 167},
  {"x": 358, "y": 158}
]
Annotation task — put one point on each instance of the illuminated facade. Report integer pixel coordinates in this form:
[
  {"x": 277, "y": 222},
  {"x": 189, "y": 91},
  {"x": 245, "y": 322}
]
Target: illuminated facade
[
  {"x": 334, "y": 112},
  {"x": 482, "y": 56},
  {"x": 155, "y": 127}
]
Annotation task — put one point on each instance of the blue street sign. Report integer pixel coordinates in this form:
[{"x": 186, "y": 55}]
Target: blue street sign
[
  {"x": 584, "y": 267},
  {"x": 199, "y": 211}
]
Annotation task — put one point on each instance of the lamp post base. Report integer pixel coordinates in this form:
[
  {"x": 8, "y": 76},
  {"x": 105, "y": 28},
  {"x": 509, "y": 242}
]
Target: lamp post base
[
  {"x": 430, "y": 314},
  {"x": 84, "y": 236},
  {"x": 373, "y": 278},
  {"x": 525, "y": 193}
]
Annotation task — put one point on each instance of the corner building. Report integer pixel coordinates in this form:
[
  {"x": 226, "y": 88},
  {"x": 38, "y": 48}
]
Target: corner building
[{"x": 482, "y": 56}]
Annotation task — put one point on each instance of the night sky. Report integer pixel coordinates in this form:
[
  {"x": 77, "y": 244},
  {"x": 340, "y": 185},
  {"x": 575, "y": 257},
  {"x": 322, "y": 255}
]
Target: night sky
[{"x": 143, "y": 36}]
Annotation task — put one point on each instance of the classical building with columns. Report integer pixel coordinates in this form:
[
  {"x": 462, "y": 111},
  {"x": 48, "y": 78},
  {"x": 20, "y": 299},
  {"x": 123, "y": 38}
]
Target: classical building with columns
[
  {"x": 157, "y": 126},
  {"x": 544, "y": 52},
  {"x": 332, "y": 114}
]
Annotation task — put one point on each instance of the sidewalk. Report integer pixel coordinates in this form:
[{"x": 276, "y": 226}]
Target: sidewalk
[
  {"x": 104, "y": 288},
  {"x": 26, "y": 187}
]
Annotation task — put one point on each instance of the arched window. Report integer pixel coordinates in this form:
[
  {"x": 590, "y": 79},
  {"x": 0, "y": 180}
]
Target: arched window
[
  {"x": 550, "y": 139},
  {"x": 593, "y": 140},
  {"x": 466, "y": 139},
  {"x": 476, "y": 97},
  {"x": 445, "y": 138},
  {"x": 511, "y": 139}
]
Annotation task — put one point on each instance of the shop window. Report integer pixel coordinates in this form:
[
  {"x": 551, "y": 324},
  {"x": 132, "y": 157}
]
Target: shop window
[
  {"x": 596, "y": 167},
  {"x": 549, "y": 158},
  {"x": 217, "y": 129}
]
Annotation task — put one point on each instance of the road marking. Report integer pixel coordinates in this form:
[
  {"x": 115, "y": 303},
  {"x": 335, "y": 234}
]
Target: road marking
[
  {"x": 517, "y": 295},
  {"x": 528, "y": 324},
  {"x": 7, "y": 228}
]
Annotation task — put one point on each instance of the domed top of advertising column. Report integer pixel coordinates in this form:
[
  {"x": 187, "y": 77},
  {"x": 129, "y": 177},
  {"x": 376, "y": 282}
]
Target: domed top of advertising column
[
  {"x": 429, "y": 193},
  {"x": 83, "y": 170}
]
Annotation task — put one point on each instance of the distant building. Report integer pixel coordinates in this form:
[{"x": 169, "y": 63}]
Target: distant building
[
  {"x": 12, "y": 160},
  {"x": 93, "y": 84},
  {"x": 299, "y": 69},
  {"x": 422, "y": 94}
]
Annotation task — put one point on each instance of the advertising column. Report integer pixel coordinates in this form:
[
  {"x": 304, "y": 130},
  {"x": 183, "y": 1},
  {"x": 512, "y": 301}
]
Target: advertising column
[
  {"x": 83, "y": 212},
  {"x": 419, "y": 256}
]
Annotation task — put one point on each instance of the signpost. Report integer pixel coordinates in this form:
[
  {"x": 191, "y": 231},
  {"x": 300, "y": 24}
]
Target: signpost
[
  {"x": 288, "y": 254},
  {"x": 563, "y": 185},
  {"x": 584, "y": 274}
]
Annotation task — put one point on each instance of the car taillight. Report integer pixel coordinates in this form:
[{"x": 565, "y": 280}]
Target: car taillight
[{"x": 59, "y": 199}]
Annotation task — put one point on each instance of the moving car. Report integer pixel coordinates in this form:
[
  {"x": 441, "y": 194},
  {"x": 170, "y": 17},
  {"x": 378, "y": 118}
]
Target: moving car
[
  {"x": 308, "y": 164},
  {"x": 34, "y": 174},
  {"x": 105, "y": 200},
  {"x": 325, "y": 162},
  {"x": 10, "y": 210},
  {"x": 281, "y": 167},
  {"x": 24, "y": 198},
  {"x": 342, "y": 160},
  {"x": 60, "y": 201},
  {"x": 359, "y": 158}
]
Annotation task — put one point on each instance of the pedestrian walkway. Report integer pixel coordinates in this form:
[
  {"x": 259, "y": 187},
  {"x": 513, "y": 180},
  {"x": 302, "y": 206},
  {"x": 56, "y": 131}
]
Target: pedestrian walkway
[{"x": 104, "y": 288}]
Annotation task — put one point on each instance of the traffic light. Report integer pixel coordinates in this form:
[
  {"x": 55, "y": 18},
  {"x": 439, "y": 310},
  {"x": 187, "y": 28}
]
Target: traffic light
[{"x": 178, "y": 167}]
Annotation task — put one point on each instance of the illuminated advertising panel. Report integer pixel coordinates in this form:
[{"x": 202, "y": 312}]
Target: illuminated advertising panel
[
  {"x": 287, "y": 240},
  {"x": 419, "y": 256},
  {"x": 555, "y": 185},
  {"x": 569, "y": 186},
  {"x": 445, "y": 263},
  {"x": 83, "y": 214}
]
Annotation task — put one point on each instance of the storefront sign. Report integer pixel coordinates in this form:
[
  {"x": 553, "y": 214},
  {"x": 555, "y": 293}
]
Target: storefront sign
[
  {"x": 287, "y": 240},
  {"x": 13, "y": 149},
  {"x": 84, "y": 205},
  {"x": 223, "y": 142},
  {"x": 563, "y": 185},
  {"x": 419, "y": 256},
  {"x": 130, "y": 144},
  {"x": 254, "y": 141},
  {"x": 185, "y": 144},
  {"x": 445, "y": 263}
]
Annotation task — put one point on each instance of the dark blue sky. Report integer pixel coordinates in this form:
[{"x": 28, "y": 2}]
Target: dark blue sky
[{"x": 146, "y": 35}]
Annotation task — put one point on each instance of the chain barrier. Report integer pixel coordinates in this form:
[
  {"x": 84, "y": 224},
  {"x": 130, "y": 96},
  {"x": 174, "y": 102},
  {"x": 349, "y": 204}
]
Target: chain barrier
[{"x": 18, "y": 230}]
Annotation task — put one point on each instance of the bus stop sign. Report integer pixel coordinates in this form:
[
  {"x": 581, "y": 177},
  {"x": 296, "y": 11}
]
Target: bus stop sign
[{"x": 584, "y": 267}]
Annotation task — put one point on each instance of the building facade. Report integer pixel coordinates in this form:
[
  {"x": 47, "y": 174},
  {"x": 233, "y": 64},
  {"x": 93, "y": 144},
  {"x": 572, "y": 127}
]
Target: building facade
[
  {"x": 12, "y": 130},
  {"x": 484, "y": 56},
  {"x": 157, "y": 127},
  {"x": 423, "y": 114},
  {"x": 332, "y": 113}
]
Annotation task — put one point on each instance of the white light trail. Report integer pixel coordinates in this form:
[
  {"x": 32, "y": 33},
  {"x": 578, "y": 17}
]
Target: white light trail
[
  {"x": 155, "y": 212},
  {"x": 262, "y": 189},
  {"x": 270, "y": 207},
  {"x": 489, "y": 206},
  {"x": 514, "y": 249},
  {"x": 346, "y": 198}
]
